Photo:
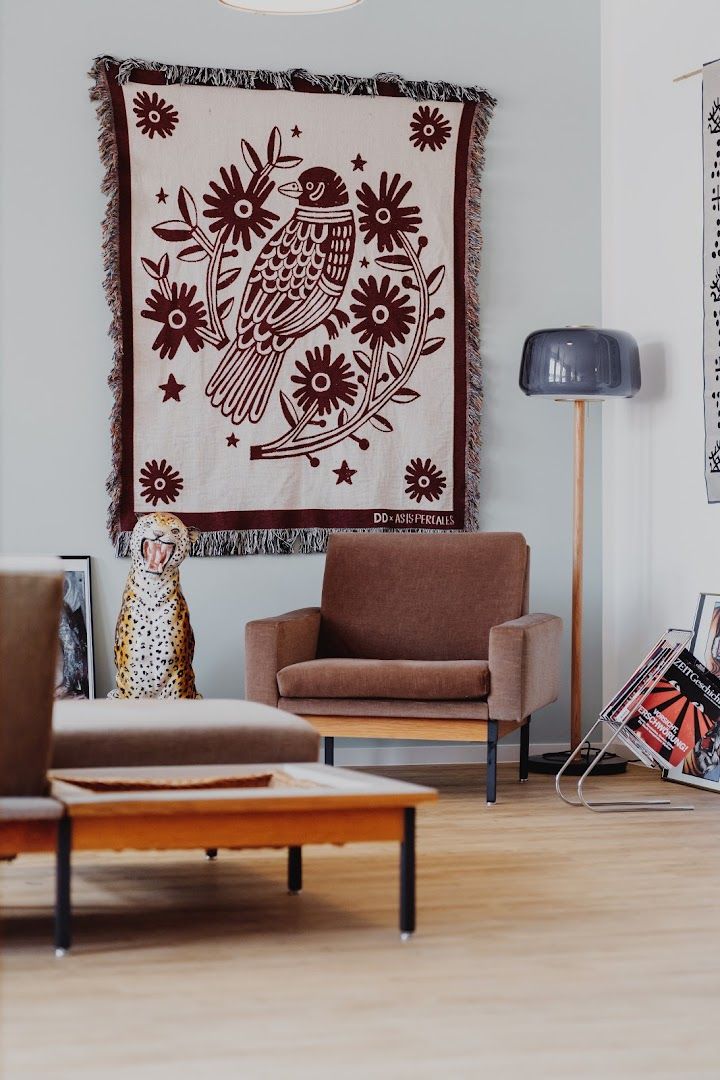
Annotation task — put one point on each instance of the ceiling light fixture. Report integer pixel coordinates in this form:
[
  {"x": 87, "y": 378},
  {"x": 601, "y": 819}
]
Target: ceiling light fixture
[{"x": 290, "y": 7}]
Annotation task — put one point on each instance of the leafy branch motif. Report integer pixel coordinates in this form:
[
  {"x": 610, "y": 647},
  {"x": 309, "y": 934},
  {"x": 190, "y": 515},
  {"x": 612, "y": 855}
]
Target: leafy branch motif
[
  {"x": 384, "y": 319},
  {"x": 714, "y": 458},
  {"x": 238, "y": 213},
  {"x": 715, "y": 288},
  {"x": 714, "y": 117}
]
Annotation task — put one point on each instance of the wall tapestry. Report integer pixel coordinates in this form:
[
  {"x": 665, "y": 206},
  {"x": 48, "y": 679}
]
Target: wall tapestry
[
  {"x": 291, "y": 263},
  {"x": 711, "y": 275}
]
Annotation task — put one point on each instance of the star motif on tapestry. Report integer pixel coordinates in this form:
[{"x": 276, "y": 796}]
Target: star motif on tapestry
[
  {"x": 161, "y": 195},
  {"x": 358, "y": 163},
  {"x": 364, "y": 262},
  {"x": 344, "y": 474},
  {"x": 296, "y": 132},
  {"x": 232, "y": 440},
  {"x": 171, "y": 388}
]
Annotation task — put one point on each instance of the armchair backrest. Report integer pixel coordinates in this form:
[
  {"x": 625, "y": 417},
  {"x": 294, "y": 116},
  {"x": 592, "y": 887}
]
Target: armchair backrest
[
  {"x": 30, "y": 598},
  {"x": 420, "y": 596}
]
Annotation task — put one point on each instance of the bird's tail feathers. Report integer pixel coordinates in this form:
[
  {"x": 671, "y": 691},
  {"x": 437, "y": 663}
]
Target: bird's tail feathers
[
  {"x": 243, "y": 381},
  {"x": 262, "y": 394}
]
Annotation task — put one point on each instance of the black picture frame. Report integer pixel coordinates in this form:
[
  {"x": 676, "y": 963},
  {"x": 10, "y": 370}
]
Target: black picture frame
[
  {"x": 76, "y": 651},
  {"x": 708, "y": 604}
]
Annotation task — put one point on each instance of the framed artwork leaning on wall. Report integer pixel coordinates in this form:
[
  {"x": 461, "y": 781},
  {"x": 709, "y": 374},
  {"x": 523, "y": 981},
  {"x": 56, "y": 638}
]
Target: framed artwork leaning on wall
[
  {"x": 705, "y": 642},
  {"x": 76, "y": 660},
  {"x": 701, "y": 766}
]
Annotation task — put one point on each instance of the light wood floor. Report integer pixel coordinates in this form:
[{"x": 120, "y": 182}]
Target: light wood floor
[{"x": 551, "y": 943}]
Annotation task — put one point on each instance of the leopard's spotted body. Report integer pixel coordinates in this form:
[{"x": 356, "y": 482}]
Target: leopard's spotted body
[{"x": 154, "y": 642}]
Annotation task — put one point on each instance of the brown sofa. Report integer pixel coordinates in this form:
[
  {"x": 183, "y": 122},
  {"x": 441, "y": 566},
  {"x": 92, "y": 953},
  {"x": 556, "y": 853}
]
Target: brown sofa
[
  {"x": 417, "y": 636},
  {"x": 80, "y": 734}
]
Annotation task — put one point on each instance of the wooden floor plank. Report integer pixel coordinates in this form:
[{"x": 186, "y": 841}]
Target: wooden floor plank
[{"x": 551, "y": 943}]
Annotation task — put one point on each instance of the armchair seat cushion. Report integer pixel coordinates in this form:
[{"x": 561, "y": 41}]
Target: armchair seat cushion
[
  {"x": 398, "y": 680},
  {"x": 377, "y": 708}
]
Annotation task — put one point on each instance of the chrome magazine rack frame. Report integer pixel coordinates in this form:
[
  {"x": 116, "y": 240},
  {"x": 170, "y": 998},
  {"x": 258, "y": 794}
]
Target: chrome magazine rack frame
[
  {"x": 645, "y": 680},
  {"x": 607, "y": 806}
]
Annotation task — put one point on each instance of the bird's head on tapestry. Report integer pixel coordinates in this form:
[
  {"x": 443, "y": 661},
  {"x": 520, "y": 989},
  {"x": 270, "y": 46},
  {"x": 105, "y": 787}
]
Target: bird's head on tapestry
[{"x": 319, "y": 187}]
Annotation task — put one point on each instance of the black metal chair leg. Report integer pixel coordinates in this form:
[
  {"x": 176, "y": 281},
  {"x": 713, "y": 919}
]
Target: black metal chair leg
[
  {"x": 63, "y": 914},
  {"x": 294, "y": 870},
  {"x": 329, "y": 748},
  {"x": 524, "y": 750},
  {"x": 407, "y": 876},
  {"x": 492, "y": 735}
]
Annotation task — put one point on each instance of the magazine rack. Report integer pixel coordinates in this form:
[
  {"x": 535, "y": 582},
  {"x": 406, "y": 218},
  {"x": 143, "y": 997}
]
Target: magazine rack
[{"x": 617, "y": 715}]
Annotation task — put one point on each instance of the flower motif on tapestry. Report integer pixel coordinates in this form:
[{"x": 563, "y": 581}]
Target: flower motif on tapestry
[
  {"x": 384, "y": 314},
  {"x": 155, "y": 116},
  {"x": 382, "y": 216},
  {"x": 424, "y": 480},
  {"x": 181, "y": 318},
  {"x": 429, "y": 130},
  {"x": 160, "y": 483},
  {"x": 323, "y": 381},
  {"x": 238, "y": 211}
]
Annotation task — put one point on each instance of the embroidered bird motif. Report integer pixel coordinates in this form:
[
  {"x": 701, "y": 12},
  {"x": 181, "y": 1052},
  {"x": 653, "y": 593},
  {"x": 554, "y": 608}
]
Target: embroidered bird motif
[{"x": 294, "y": 287}]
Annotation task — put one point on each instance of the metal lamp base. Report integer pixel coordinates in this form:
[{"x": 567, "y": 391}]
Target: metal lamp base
[{"x": 550, "y": 764}]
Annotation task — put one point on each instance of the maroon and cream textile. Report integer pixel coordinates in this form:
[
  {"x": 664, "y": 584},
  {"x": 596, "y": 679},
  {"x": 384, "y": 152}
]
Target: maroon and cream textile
[{"x": 292, "y": 267}]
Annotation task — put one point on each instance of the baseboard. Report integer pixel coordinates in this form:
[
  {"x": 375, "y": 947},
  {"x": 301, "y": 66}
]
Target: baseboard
[{"x": 433, "y": 753}]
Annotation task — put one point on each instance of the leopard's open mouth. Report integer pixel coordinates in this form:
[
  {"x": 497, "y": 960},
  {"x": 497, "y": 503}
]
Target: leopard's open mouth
[{"x": 156, "y": 554}]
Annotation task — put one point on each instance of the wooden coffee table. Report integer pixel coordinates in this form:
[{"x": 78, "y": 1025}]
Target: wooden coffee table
[{"x": 283, "y": 806}]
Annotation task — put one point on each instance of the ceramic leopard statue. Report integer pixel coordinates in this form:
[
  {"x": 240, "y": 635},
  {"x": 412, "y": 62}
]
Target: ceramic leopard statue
[{"x": 154, "y": 642}]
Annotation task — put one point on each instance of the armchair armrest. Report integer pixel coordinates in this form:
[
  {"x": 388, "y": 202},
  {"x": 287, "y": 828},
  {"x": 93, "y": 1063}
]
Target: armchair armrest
[
  {"x": 271, "y": 644},
  {"x": 524, "y": 666}
]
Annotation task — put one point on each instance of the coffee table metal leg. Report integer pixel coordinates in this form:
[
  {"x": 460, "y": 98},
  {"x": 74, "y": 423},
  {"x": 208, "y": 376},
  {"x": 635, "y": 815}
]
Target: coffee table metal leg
[
  {"x": 329, "y": 749},
  {"x": 63, "y": 931},
  {"x": 294, "y": 870},
  {"x": 407, "y": 876}
]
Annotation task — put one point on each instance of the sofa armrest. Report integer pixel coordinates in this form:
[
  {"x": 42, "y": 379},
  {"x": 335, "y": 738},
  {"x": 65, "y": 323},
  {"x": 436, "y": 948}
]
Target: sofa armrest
[
  {"x": 524, "y": 666},
  {"x": 271, "y": 644}
]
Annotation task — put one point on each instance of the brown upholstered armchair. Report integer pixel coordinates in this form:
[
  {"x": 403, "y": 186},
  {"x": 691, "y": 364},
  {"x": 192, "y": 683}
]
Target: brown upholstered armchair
[{"x": 416, "y": 637}]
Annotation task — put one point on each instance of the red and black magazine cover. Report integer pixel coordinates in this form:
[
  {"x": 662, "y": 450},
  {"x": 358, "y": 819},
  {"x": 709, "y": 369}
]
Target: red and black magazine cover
[{"x": 676, "y": 716}]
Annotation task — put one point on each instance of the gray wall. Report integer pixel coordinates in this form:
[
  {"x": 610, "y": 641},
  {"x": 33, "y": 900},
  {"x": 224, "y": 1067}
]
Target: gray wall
[
  {"x": 541, "y": 267},
  {"x": 652, "y": 172}
]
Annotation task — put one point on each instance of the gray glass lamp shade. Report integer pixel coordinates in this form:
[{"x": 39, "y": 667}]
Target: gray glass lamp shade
[{"x": 580, "y": 362}]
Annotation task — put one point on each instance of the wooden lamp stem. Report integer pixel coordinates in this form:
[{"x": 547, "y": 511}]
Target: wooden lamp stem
[{"x": 577, "y": 580}]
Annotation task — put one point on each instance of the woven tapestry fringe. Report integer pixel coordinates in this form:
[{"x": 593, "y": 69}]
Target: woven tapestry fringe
[
  {"x": 473, "y": 249},
  {"x": 248, "y": 542},
  {"x": 287, "y": 541},
  {"x": 286, "y": 80},
  {"x": 100, "y": 94}
]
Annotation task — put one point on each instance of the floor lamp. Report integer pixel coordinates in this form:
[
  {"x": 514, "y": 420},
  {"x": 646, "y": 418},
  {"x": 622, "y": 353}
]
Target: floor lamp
[{"x": 579, "y": 364}]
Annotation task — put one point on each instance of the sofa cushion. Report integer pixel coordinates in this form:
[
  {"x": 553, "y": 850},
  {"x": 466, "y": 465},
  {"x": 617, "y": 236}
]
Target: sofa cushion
[
  {"x": 30, "y": 808},
  {"x": 384, "y": 709},
  {"x": 426, "y": 680},
  {"x": 101, "y": 733}
]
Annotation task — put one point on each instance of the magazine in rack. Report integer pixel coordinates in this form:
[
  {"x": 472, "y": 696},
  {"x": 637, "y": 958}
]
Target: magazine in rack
[
  {"x": 701, "y": 766},
  {"x": 668, "y": 713}
]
